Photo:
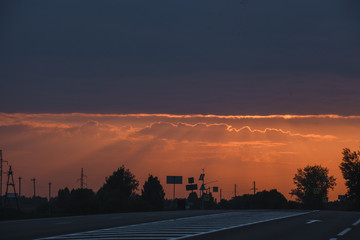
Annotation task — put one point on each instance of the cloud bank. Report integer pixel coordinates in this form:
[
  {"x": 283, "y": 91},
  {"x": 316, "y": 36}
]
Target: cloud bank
[{"x": 232, "y": 149}]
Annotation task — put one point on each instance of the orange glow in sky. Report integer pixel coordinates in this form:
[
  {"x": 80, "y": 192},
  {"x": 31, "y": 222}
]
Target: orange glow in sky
[{"x": 232, "y": 149}]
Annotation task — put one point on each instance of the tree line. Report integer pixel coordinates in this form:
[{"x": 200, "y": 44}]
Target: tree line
[{"x": 119, "y": 193}]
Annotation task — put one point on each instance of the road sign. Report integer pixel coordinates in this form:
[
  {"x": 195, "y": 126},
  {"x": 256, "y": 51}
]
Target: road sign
[
  {"x": 201, "y": 178},
  {"x": 202, "y": 188},
  {"x": 174, "y": 179},
  {"x": 215, "y": 189},
  {"x": 316, "y": 191},
  {"x": 190, "y": 180},
  {"x": 191, "y": 187},
  {"x": 206, "y": 197}
]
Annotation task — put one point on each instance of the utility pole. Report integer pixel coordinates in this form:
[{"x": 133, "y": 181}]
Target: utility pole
[
  {"x": 203, "y": 181},
  {"x": 49, "y": 191},
  {"x": 49, "y": 198},
  {"x": 10, "y": 182},
  {"x": 235, "y": 191},
  {"x": 20, "y": 186},
  {"x": 81, "y": 179},
  {"x": 254, "y": 188},
  {"x": 33, "y": 180},
  {"x": 202, "y": 178},
  {"x": 1, "y": 172}
]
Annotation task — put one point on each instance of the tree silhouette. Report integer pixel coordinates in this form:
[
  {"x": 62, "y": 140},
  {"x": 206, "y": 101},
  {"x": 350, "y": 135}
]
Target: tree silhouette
[
  {"x": 194, "y": 201},
  {"x": 116, "y": 191},
  {"x": 82, "y": 201},
  {"x": 153, "y": 193},
  {"x": 63, "y": 199},
  {"x": 350, "y": 168},
  {"x": 312, "y": 185},
  {"x": 270, "y": 199}
]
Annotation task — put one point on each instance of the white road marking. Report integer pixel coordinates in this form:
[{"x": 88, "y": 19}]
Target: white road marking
[
  {"x": 333, "y": 239},
  {"x": 313, "y": 221},
  {"x": 356, "y": 223},
  {"x": 183, "y": 227},
  {"x": 345, "y": 231},
  {"x": 60, "y": 223}
]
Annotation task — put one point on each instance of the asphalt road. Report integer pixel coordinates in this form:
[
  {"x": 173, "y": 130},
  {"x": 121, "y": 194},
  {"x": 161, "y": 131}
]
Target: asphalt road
[
  {"x": 222, "y": 225},
  {"x": 43, "y": 227},
  {"x": 327, "y": 225}
]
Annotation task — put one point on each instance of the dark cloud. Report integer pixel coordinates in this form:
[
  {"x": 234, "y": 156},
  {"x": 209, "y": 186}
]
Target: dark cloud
[{"x": 228, "y": 57}]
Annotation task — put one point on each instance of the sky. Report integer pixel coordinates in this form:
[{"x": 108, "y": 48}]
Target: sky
[
  {"x": 232, "y": 149},
  {"x": 166, "y": 85}
]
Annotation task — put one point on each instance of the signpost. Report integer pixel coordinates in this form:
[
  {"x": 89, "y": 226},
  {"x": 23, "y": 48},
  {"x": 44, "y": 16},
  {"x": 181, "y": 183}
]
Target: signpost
[
  {"x": 174, "y": 180},
  {"x": 190, "y": 180},
  {"x": 191, "y": 187}
]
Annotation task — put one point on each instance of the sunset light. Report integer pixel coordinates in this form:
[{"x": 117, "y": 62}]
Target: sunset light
[
  {"x": 169, "y": 120},
  {"x": 232, "y": 149}
]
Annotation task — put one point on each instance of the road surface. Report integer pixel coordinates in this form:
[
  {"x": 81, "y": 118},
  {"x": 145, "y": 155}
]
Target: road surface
[
  {"x": 222, "y": 225},
  {"x": 35, "y": 228}
]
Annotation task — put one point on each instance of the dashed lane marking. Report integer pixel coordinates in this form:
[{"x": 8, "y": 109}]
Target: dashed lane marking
[
  {"x": 345, "y": 231},
  {"x": 356, "y": 223},
  {"x": 175, "y": 229},
  {"x": 313, "y": 221}
]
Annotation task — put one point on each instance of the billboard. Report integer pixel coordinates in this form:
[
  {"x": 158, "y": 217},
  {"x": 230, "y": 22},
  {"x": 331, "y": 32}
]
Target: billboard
[{"x": 174, "y": 179}]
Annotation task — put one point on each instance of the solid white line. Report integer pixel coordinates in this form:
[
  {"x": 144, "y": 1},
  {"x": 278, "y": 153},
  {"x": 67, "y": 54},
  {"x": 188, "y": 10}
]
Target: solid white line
[
  {"x": 356, "y": 223},
  {"x": 345, "y": 231},
  {"x": 100, "y": 238},
  {"x": 129, "y": 234},
  {"x": 242, "y": 225},
  {"x": 333, "y": 239}
]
